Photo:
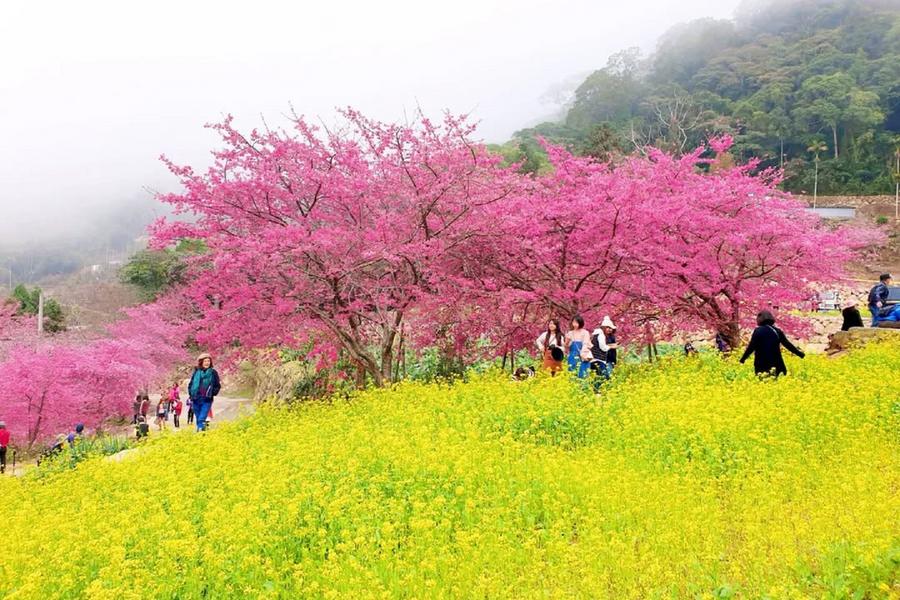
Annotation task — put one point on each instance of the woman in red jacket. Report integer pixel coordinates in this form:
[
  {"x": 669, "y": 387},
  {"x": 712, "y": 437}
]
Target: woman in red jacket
[{"x": 4, "y": 442}]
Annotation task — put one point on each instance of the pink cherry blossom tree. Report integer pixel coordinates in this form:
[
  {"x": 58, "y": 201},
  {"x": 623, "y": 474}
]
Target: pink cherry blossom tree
[
  {"x": 727, "y": 243},
  {"x": 49, "y": 383},
  {"x": 664, "y": 239},
  {"x": 338, "y": 235}
]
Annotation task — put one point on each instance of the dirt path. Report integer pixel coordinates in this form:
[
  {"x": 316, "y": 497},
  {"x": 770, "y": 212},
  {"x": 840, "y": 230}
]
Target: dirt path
[{"x": 225, "y": 408}]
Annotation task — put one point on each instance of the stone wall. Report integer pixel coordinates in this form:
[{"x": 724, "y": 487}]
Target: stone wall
[
  {"x": 844, "y": 340},
  {"x": 854, "y": 201}
]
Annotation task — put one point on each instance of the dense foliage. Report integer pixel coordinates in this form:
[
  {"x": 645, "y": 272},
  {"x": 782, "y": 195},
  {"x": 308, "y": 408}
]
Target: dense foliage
[
  {"x": 689, "y": 479},
  {"x": 784, "y": 78},
  {"x": 29, "y": 304},
  {"x": 152, "y": 272}
]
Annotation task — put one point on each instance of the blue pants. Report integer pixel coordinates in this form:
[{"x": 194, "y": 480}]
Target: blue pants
[
  {"x": 876, "y": 313},
  {"x": 601, "y": 371},
  {"x": 575, "y": 362},
  {"x": 201, "y": 408}
]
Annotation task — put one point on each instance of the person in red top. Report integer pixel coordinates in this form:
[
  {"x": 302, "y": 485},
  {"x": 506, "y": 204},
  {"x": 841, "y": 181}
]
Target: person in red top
[
  {"x": 4, "y": 442},
  {"x": 176, "y": 410},
  {"x": 175, "y": 404}
]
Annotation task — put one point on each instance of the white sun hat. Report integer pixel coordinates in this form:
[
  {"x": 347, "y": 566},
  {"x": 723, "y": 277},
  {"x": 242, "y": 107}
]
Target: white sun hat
[{"x": 607, "y": 322}]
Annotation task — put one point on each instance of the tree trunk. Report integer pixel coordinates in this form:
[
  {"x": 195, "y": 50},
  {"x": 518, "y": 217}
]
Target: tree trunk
[
  {"x": 32, "y": 435},
  {"x": 360, "y": 376},
  {"x": 834, "y": 136},
  {"x": 400, "y": 352},
  {"x": 732, "y": 333},
  {"x": 387, "y": 364}
]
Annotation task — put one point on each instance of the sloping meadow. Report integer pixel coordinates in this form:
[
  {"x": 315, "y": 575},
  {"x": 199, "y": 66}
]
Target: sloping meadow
[{"x": 686, "y": 479}]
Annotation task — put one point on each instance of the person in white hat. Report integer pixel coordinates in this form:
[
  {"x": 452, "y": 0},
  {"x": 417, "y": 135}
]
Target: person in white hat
[
  {"x": 852, "y": 316},
  {"x": 600, "y": 350},
  {"x": 609, "y": 328}
]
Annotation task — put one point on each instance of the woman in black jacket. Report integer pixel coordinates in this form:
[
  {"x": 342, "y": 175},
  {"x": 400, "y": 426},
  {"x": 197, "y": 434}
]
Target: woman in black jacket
[{"x": 766, "y": 343}]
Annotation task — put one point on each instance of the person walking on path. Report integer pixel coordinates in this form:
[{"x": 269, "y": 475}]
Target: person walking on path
[
  {"x": 161, "y": 413},
  {"x": 176, "y": 412},
  {"x": 4, "y": 443},
  {"x": 878, "y": 296},
  {"x": 136, "y": 408},
  {"x": 145, "y": 405},
  {"x": 174, "y": 395},
  {"x": 190, "y": 406},
  {"x": 766, "y": 343},
  {"x": 579, "y": 341},
  {"x": 203, "y": 388},
  {"x": 551, "y": 344},
  {"x": 174, "y": 392}
]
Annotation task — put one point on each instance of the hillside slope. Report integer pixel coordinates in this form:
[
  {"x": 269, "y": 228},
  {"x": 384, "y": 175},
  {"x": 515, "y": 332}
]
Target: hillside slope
[{"x": 689, "y": 479}]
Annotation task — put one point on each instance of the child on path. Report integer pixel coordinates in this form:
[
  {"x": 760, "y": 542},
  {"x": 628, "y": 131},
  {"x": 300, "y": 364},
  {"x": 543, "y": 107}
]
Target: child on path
[
  {"x": 176, "y": 412},
  {"x": 161, "y": 414},
  {"x": 175, "y": 401}
]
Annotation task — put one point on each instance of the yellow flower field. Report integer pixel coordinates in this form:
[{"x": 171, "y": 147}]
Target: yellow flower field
[{"x": 686, "y": 480}]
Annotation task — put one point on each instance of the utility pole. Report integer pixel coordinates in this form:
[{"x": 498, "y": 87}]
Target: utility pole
[
  {"x": 816, "y": 147},
  {"x": 41, "y": 312},
  {"x": 816, "y": 184},
  {"x": 897, "y": 186}
]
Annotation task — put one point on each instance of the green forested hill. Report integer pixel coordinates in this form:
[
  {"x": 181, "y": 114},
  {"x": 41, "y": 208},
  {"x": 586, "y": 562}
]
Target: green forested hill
[{"x": 784, "y": 78}]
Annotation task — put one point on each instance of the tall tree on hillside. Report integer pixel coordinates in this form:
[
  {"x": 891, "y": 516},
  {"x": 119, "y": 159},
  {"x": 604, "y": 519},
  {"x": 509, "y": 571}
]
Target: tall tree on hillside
[{"x": 611, "y": 94}]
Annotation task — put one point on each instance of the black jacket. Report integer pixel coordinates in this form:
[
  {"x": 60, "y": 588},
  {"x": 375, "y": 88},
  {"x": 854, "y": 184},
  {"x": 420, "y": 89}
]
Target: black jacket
[
  {"x": 852, "y": 318},
  {"x": 766, "y": 343}
]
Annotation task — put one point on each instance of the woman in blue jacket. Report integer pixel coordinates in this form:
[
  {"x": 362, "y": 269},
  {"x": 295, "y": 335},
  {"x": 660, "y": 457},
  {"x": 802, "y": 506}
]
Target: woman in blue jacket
[{"x": 204, "y": 386}]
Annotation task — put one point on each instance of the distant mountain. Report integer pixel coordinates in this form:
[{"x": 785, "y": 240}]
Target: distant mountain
[
  {"x": 790, "y": 80},
  {"x": 105, "y": 238}
]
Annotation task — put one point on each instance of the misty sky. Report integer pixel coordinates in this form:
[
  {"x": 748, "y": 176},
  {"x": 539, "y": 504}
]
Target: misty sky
[{"x": 92, "y": 92}]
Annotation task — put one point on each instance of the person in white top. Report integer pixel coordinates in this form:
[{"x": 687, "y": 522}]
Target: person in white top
[{"x": 552, "y": 346}]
